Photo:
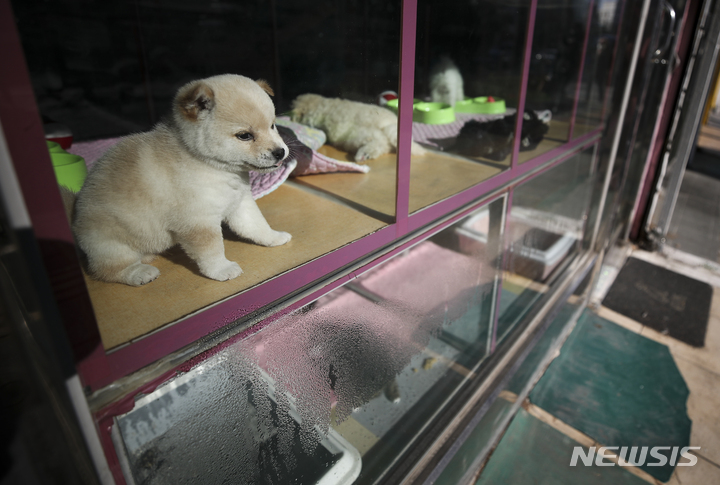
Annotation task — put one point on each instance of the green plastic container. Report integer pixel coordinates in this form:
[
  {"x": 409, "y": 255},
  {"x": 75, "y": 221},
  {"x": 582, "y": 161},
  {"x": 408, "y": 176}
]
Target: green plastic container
[
  {"x": 54, "y": 147},
  {"x": 393, "y": 104},
  {"x": 433, "y": 113},
  {"x": 70, "y": 170},
  {"x": 481, "y": 105}
]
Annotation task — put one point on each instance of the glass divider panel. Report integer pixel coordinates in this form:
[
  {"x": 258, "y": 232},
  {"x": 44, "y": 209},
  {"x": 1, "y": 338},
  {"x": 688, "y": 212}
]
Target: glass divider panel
[
  {"x": 469, "y": 64},
  {"x": 547, "y": 228},
  {"x": 107, "y": 70},
  {"x": 598, "y": 64},
  {"x": 557, "y": 53}
]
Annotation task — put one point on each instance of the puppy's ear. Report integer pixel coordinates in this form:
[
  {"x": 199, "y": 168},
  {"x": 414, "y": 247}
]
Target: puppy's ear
[
  {"x": 266, "y": 87},
  {"x": 195, "y": 100}
]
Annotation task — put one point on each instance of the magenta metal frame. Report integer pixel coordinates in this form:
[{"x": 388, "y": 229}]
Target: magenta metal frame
[
  {"x": 405, "y": 113},
  {"x": 102, "y": 367},
  {"x": 98, "y": 367}
]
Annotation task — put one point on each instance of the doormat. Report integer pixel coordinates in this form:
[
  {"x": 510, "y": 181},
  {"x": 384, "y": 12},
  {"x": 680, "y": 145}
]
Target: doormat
[
  {"x": 533, "y": 452},
  {"x": 619, "y": 388},
  {"x": 663, "y": 300}
]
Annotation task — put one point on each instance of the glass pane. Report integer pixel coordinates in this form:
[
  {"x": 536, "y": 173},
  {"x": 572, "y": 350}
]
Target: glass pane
[
  {"x": 554, "y": 69},
  {"x": 479, "y": 444},
  {"x": 548, "y": 225},
  {"x": 338, "y": 388},
  {"x": 103, "y": 70},
  {"x": 469, "y": 58},
  {"x": 598, "y": 65}
]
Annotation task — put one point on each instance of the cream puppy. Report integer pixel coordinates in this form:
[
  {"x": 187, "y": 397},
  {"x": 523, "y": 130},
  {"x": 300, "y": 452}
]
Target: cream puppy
[
  {"x": 179, "y": 182},
  {"x": 366, "y": 130},
  {"x": 446, "y": 82}
]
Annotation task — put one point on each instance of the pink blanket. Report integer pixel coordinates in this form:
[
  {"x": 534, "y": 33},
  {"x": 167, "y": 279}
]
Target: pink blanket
[{"x": 303, "y": 159}]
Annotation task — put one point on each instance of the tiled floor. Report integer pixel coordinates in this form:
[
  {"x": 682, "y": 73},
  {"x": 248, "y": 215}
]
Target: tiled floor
[
  {"x": 525, "y": 454},
  {"x": 695, "y": 224},
  {"x": 701, "y": 370},
  {"x": 618, "y": 388}
]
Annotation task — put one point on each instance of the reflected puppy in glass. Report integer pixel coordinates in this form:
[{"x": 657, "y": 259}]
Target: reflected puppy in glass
[
  {"x": 178, "y": 183},
  {"x": 366, "y": 130}
]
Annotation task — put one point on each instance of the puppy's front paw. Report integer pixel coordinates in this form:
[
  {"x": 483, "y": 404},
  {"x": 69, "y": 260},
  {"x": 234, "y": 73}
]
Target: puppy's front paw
[
  {"x": 279, "y": 238},
  {"x": 227, "y": 270},
  {"x": 367, "y": 152},
  {"x": 140, "y": 274}
]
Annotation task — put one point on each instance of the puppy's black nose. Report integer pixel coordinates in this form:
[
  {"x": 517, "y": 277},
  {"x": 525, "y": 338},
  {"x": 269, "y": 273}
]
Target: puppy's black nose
[{"x": 279, "y": 153}]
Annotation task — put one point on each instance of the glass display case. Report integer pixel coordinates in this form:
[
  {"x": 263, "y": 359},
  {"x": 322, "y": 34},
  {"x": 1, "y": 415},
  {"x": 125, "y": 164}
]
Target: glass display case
[{"x": 441, "y": 183}]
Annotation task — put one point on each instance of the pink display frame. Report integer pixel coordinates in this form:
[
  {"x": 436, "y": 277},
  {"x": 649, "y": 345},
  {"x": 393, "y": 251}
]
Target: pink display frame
[{"x": 98, "y": 368}]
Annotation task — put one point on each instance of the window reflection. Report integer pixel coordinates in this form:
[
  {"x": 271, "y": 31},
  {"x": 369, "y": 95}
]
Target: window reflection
[
  {"x": 548, "y": 226},
  {"x": 469, "y": 59},
  {"x": 597, "y": 66},
  {"x": 556, "y": 57}
]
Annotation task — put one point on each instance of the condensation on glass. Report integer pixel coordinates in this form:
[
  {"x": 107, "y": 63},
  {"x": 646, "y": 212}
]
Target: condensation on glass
[{"x": 334, "y": 390}]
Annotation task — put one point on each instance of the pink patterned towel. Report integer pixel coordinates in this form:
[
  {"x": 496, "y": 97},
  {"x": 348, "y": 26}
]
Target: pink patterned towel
[
  {"x": 303, "y": 160},
  {"x": 303, "y": 143}
]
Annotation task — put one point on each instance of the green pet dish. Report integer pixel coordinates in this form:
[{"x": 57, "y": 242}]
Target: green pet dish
[
  {"x": 393, "y": 104},
  {"x": 54, "y": 147},
  {"x": 70, "y": 170},
  {"x": 433, "y": 113},
  {"x": 481, "y": 105}
]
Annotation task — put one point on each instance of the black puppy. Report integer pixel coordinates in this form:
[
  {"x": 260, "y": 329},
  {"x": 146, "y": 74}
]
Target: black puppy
[{"x": 494, "y": 139}]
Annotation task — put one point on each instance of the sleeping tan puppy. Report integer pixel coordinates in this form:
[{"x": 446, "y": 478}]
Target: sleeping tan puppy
[
  {"x": 366, "y": 130},
  {"x": 179, "y": 182}
]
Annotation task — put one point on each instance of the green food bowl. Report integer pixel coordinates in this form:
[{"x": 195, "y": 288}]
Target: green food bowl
[
  {"x": 433, "y": 113},
  {"x": 394, "y": 104},
  {"x": 70, "y": 170},
  {"x": 54, "y": 147},
  {"x": 481, "y": 105}
]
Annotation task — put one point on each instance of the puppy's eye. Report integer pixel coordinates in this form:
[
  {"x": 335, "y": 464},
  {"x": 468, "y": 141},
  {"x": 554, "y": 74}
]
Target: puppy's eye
[
  {"x": 273, "y": 126},
  {"x": 245, "y": 136}
]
